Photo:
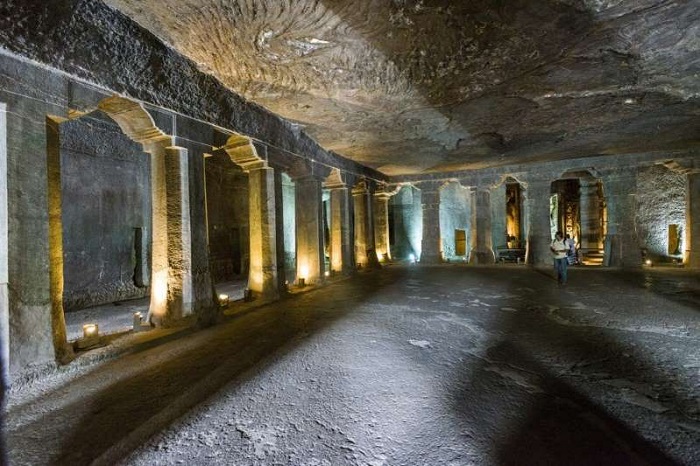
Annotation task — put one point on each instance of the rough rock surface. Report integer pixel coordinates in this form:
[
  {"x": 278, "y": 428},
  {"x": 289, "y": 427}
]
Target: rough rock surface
[
  {"x": 414, "y": 85},
  {"x": 446, "y": 365}
]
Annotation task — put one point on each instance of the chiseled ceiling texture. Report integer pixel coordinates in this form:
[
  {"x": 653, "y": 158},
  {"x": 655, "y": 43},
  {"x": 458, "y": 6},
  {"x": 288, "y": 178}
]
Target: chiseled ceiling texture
[{"x": 411, "y": 86}]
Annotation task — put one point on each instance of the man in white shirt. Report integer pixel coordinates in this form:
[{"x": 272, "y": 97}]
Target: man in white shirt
[{"x": 559, "y": 249}]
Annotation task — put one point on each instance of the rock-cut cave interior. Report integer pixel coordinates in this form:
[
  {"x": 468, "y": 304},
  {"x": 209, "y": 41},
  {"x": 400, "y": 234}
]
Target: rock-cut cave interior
[{"x": 326, "y": 232}]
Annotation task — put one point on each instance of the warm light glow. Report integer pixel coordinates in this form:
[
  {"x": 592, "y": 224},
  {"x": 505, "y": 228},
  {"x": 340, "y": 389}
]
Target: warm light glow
[
  {"x": 304, "y": 271},
  {"x": 412, "y": 258},
  {"x": 138, "y": 319},
  {"x": 160, "y": 288},
  {"x": 90, "y": 330},
  {"x": 327, "y": 273},
  {"x": 380, "y": 255},
  {"x": 223, "y": 299},
  {"x": 648, "y": 262}
]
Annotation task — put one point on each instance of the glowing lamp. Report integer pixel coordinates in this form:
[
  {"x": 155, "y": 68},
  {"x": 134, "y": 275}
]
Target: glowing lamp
[
  {"x": 223, "y": 300},
  {"x": 90, "y": 330},
  {"x": 412, "y": 258},
  {"x": 91, "y": 336},
  {"x": 138, "y": 318},
  {"x": 648, "y": 262},
  {"x": 327, "y": 273}
]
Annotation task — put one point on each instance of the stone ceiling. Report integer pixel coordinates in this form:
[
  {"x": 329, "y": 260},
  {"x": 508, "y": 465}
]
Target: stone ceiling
[{"x": 415, "y": 86}]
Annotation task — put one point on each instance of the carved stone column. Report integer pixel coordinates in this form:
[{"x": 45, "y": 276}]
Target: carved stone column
[
  {"x": 590, "y": 215},
  {"x": 482, "y": 240},
  {"x": 381, "y": 224},
  {"x": 262, "y": 275},
  {"x": 537, "y": 230},
  {"x": 499, "y": 232},
  {"x": 180, "y": 297},
  {"x": 341, "y": 245},
  {"x": 365, "y": 254},
  {"x": 309, "y": 228},
  {"x": 622, "y": 244},
  {"x": 430, "y": 244}
]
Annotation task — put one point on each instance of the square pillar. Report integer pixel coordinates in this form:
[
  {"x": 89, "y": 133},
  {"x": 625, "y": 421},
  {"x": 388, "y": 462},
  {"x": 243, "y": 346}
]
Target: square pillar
[
  {"x": 309, "y": 229},
  {"x": 499, "y": 229},
  {"x": 381, "y": 225},
  {"x": 482, "y": 239},
  {"x": 364, "y": 236},
  {"x": 430, "y": 243},
  {"x": 622, "y": 244},
  {"x": 179, "y": 234},
  {"x": 590, "y": 215},
  {"x": 279, "y": 232},
  {"x": 536, "y": 216},
  {"x": 341, "y": 246},
  {"x": 263, "y": 273}
]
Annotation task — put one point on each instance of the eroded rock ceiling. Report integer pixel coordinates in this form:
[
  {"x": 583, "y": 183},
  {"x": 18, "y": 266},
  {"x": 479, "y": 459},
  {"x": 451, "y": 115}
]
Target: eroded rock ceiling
[{"x": 411, "y": 86}]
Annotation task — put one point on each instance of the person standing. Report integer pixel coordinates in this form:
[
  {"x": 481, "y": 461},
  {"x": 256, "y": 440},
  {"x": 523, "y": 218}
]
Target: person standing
[
  {"x": 559, "y": 249},
  {"x": 571, "y": 253}
]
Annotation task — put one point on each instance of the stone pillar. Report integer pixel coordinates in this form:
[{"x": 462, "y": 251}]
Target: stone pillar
[
  {"x": 499, "y": 233},
  {"x": 309, "y": 229},
  {"x": 430, "y": 243},
  {"x": 537, "y": 230},
  {"x": 180, "y": 299},
  {"x": 482, "y": 241},
  {"x": 262, "y": 275},
  {"x": 692, "y": 221},
  {"x": 341, "y": 246},
  {"x": 361, "y": 222},
  {"x": 171, "y": 261},
  {"x": 158, "y": 309},
  {"x": 590, "y": 215},
  {"x": 381, "y": 225},
  {"x": 279, "y": 232},
  {"x": 622, "y": 244}
]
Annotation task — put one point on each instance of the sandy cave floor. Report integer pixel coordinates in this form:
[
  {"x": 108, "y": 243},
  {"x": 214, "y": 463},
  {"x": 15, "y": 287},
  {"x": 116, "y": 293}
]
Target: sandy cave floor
[{"x": 447, "y": 365}]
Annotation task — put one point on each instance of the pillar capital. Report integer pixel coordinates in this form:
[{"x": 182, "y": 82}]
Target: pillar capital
[
  {"x": 305, "y": 168},
  {"x": 335, "y": 180},
  {"x": 243, "y": 153},
  {"x": 685, "y": 166}
]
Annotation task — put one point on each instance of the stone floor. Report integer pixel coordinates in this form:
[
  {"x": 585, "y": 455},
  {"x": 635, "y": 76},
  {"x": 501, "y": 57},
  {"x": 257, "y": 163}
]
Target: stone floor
[{"x": 447, "y": 365}]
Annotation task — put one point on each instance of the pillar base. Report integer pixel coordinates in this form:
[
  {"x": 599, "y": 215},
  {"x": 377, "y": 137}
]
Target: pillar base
[{"x": 482, "y": 257}]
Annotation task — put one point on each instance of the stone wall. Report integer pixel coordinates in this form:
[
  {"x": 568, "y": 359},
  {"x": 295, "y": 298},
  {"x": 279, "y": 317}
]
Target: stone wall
[
  {"x": 455, "y": 214},
  {"x": 105, "y": 198},
  {"x": 660, "y": 203},
  {"x": 227, "y": 210},
  {"x": 407, "y": 229}
]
